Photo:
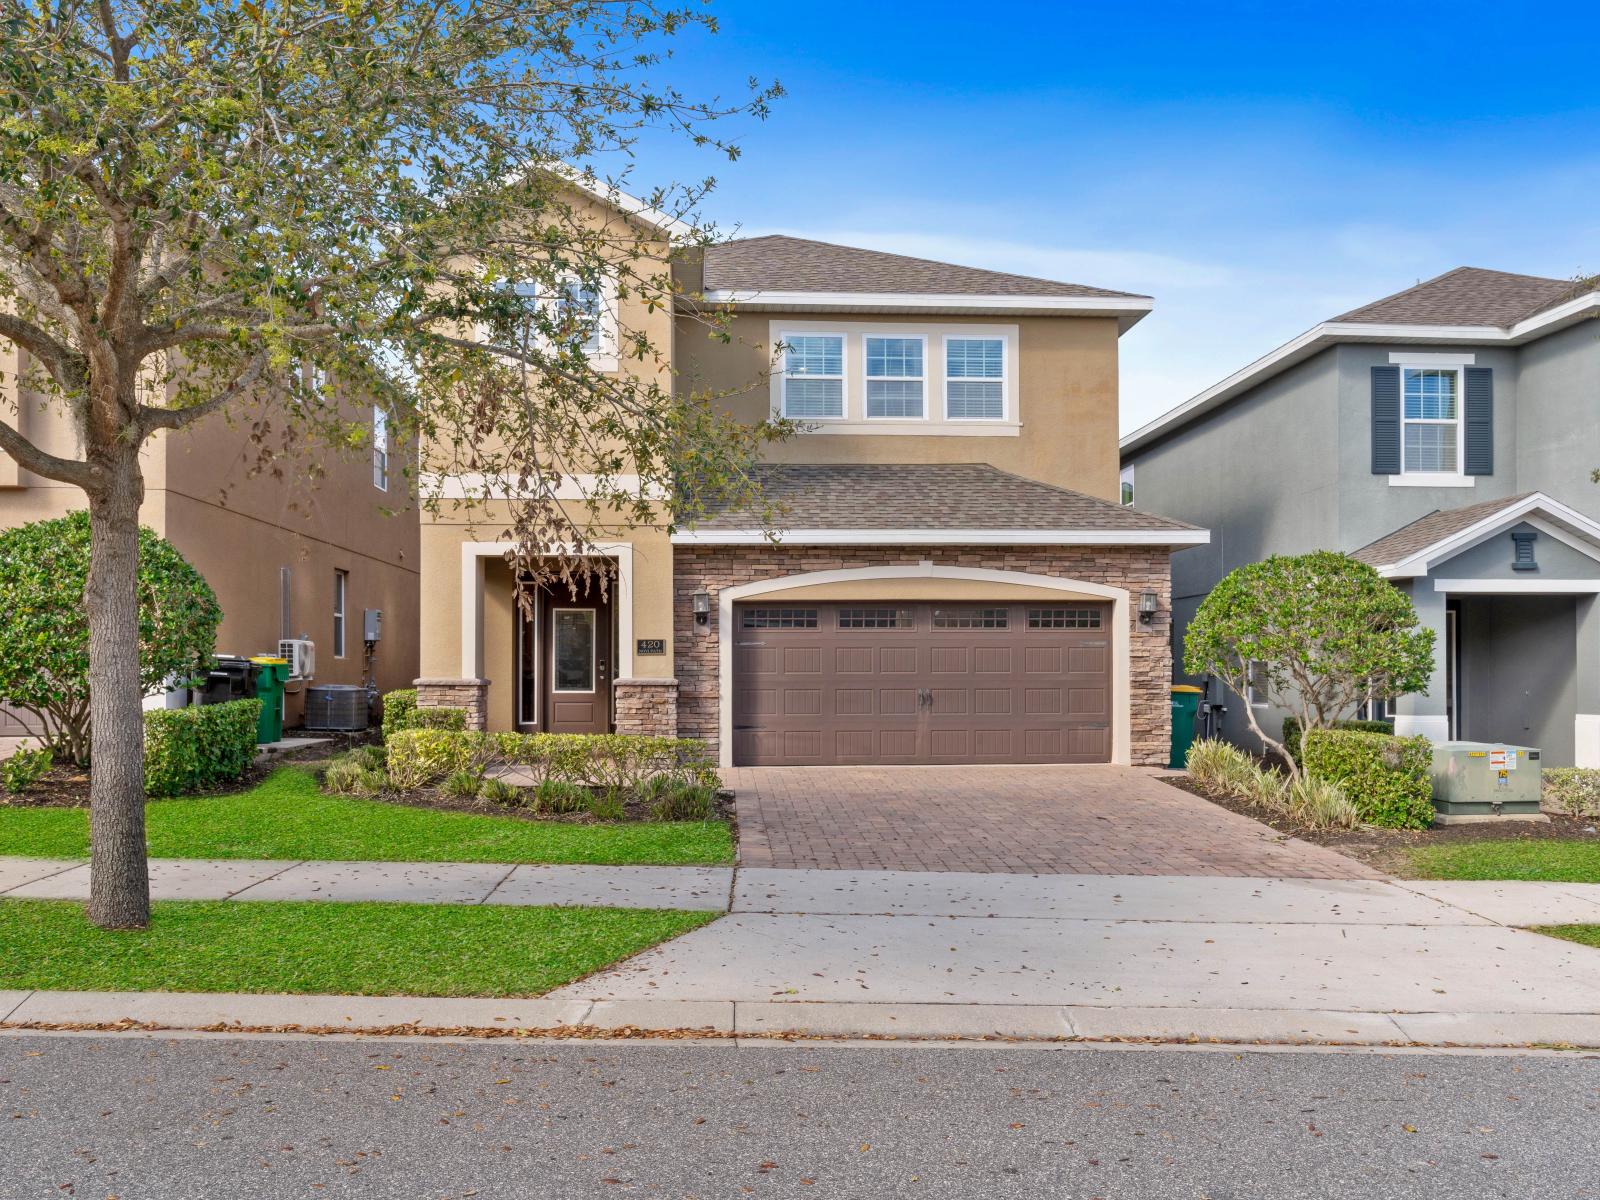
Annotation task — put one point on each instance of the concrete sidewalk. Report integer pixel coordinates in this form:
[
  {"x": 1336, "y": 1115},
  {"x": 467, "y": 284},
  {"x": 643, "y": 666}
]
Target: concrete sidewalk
[
  {"x": 703, "y": 889},
  {"x": 918, "y": 954}
]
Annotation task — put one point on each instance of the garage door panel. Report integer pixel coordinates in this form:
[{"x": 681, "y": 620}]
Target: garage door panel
[{"x": 992, "y": 683}]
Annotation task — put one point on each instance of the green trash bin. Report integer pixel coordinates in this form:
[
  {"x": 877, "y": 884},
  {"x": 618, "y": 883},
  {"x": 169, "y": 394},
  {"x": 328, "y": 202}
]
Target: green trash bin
[
  {"x": 1185, "y": 709},
  {"x": 271, "y": 674}
]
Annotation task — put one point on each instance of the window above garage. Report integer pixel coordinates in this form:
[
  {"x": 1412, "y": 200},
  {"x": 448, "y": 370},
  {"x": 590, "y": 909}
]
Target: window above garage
[{"x": 897, "y": 378}]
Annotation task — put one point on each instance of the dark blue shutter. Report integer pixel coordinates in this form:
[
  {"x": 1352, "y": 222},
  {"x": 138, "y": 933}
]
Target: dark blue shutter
[
  {"x": 1386, "y": 420},
  {"x": 1479, "y": 411}
]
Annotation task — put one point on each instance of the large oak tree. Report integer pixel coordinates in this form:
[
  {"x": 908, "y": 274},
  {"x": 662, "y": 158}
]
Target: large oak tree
[{"x": 209, "y": 208}]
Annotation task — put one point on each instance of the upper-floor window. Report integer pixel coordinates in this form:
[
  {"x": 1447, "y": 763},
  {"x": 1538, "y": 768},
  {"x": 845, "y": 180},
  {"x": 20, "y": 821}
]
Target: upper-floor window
[
  {"x": 813, "y": 376},
  {"x": 341, "y": 589},
  {"x": 1127, "y": 485},
  {"x": 975, "y": 373},
  {"x": 895, "y": 382},
  {"x": 571, "y": 313},
  {"x": 380, "y": 449},
  {"x": 1431, "y": 420},
  {"x": 918, "y": 378},
  {"x": 577, "y": 313}
]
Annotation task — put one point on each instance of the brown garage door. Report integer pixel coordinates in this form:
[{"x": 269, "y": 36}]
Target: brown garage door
[{"x": 921, "y": 683}]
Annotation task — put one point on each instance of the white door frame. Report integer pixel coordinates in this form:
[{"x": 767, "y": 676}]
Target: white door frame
[{"x": 1121, "y": 638}]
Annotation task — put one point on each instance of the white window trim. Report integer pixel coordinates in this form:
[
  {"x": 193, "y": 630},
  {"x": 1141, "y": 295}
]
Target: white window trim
[
  {"x": 1455, "y": 364},
  {"x": 1125, "y": 480},
  {"x": 1005, "y": 378},
  {"x": 1250, "y": 685},
  {"x": 380, "y": 448},
  {"x": 781, "y": 375},
  {"x": 868, "y": 380},
  {"x": 933, "y": 423},
  {"x": 607, "y": 359}
]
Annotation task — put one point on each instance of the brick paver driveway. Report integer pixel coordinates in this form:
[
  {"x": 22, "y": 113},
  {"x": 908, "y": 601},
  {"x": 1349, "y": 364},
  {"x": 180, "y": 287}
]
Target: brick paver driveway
[{"x": 1086, "y": 820}]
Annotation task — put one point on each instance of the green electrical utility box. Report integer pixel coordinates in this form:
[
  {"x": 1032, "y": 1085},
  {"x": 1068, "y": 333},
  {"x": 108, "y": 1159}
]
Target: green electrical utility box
[{"x": 1485, "y": 780}]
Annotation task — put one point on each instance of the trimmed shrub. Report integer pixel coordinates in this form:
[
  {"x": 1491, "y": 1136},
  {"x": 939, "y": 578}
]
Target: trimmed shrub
[
  {"x": 24, "y": 769},
  {"x": 188, "y": 749},
  {"x": 1573, "y": 791},
  {"x": 372, "y": 758},
  {"x": 440, "y": 717},
  {"x": 419, "y": 757},
  {"x": 398, "y": 706},
  {"x": 1291, "y": 731},
  {"x": 1387, "y": 778},
  {"x": 560, "y": 796}
]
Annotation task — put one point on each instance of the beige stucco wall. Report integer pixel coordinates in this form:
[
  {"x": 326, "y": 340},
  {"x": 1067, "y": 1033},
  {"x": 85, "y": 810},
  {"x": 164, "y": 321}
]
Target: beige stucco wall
[{"x": 1067, "y": 397}]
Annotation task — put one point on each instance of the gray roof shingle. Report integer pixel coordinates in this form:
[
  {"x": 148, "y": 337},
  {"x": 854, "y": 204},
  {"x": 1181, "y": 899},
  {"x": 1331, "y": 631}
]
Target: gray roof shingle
[
  {"x": 778, "y": 263},
  {"x": 926, "y": 496},
  {"x": 1466, "y": 296},
  {"x": 1441, "y": 523}
]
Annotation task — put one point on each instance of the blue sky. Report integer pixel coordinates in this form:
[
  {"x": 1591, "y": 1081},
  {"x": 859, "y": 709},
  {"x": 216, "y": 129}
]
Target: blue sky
[{"x": 1254, "y": 167}]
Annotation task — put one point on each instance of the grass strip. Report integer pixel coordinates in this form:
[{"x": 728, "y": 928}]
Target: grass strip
[
  {"x": 1551, "y": 861},
  {"x": 288, "y": 816},
  {"x": 323, "y": 947}
]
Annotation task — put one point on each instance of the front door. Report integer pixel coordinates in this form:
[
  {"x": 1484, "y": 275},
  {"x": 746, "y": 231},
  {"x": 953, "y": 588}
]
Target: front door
[{"x": 575, "y": 660}]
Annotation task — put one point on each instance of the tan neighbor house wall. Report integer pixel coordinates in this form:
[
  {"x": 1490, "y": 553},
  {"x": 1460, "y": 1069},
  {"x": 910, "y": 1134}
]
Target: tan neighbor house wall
[{"x": 1067, "y": 396}]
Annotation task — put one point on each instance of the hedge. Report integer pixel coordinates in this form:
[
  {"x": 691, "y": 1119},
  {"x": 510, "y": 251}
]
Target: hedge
[
  {"x": 1291, "y": 731},
  {"x": 398, "y": 706},
  {"x": 1574, "y": 791},
  {"x": 188, "y": 749},
  {"x": 606, "y": 761},
  {"x": 1389, "y": 779}
]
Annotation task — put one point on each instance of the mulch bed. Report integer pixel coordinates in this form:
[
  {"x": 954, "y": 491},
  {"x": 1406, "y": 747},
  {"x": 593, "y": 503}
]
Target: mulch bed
[{"x": 1386, "y": 849}]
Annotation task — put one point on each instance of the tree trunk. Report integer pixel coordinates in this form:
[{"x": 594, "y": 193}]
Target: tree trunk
[{"x": 119, "y": 873}]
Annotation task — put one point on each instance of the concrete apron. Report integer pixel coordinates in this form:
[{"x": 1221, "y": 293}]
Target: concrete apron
[{"x": 922, "y": 955}]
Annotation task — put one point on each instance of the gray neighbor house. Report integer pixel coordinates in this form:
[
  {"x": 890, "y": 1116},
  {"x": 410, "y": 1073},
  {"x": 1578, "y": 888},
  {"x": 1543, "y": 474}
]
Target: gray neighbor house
[{"x": 1446, "y": 435}]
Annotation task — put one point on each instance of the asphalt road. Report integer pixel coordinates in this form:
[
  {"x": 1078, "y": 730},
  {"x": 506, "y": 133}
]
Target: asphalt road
[{"x": 236, "y": 1118}]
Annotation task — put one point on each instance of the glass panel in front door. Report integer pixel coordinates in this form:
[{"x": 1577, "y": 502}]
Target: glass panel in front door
[{"x": 572, "y": 650}]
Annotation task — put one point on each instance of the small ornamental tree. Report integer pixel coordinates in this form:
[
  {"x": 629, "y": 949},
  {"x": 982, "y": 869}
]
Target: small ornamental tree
[
  {"x": 44, "y": 627},
  {"x": 1318, "y": 634}
]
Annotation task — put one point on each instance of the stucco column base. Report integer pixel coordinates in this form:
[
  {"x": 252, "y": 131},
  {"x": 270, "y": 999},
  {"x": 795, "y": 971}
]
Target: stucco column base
[
  {"x": 646, "y": 706},
  {"x": 470, "y": 694}
]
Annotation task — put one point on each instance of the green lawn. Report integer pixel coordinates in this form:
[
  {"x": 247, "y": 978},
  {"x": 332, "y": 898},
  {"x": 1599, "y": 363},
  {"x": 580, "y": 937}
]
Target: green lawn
[
  {"x": 287, "y": 816},
  {"x": 1587, "y": 935},
  {"x": 1552, "y": 861},
  {"x": 353, "y": 949}
]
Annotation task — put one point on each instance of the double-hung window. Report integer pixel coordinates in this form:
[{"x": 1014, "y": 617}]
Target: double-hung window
[
  {"x": 380, "y": 449},
  {"x": 577, "y": 313},
  {"x": 813, "y": 376},
  {"x": 341, "y": 589},
  {"x": 975, "y": 374},
  {"x": 1431, "y": 421},
  {"x": 895, "y": 381}
]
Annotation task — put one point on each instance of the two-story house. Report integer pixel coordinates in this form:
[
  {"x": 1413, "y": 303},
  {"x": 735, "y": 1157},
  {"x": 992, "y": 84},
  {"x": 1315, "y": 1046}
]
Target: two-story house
[
  {"x": 954, "y": 580},
  {"x": 1445, "y": 435},
  {"x": 287, "y": 558}
]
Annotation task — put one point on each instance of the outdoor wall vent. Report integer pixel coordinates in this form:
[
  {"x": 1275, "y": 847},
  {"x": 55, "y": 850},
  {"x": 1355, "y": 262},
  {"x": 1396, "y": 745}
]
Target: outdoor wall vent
[{"x": 1523, "y": 559}]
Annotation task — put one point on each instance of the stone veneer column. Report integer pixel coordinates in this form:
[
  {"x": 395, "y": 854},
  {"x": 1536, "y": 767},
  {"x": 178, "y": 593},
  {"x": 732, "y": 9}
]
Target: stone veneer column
[
  {"x": 647, "y": 706},
  {"x": 470, "y": 694}
]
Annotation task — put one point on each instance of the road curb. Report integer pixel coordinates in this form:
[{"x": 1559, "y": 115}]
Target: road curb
[{"x": 931, "y": 1022}]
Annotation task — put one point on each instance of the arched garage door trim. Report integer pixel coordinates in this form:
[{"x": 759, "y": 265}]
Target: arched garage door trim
[{"x": 1120, "y": 707}]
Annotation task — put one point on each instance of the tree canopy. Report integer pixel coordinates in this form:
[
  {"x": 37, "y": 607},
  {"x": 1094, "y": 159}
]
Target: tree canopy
[
  {"x": 44, "y": 566},
  {"x": 1317, "y": 634}
]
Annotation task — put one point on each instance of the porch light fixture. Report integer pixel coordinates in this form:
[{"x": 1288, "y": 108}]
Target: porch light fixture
[
  {"x": 700, "y": 605},
  {"x": 1149, "y": 605}
]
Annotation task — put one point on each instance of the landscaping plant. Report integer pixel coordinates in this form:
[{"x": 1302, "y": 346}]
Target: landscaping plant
[
  {"x": 24, "y": 768},
  {"x": 190, "y": 749},
  {"x": 1318, "y": 634},
  {"x": 560, "y": 796},
  {"x": 1222, "y": 769},
  {"x": 44, "y": 568},
  {"x": 499, "y": 791},
  {"x": 1388, "y": 778},
  {"x": 1571, "y": 791},
  {"x": 1291, "y": 731},
  {"x": 209, "y": 210},
  {"x": 463, "y": 785}
]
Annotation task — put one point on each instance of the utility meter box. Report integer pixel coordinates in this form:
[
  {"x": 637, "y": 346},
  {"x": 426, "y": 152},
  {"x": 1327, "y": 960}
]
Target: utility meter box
[
  {"x": 1485, "y": 779},
  {"x": 371, "y": 624}
]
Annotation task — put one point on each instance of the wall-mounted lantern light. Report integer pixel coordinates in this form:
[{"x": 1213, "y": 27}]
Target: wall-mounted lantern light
[
  {"x": 1149, "y": 605},
  {"x": 700, "y": 605}
]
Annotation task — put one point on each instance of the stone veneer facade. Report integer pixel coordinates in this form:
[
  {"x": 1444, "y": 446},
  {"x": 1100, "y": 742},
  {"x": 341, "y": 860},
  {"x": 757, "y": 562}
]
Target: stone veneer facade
[
  {"x": 470, "y": 694},
  {"x": 646, "y": 706},
  {"x": 1137, "y": 569}
]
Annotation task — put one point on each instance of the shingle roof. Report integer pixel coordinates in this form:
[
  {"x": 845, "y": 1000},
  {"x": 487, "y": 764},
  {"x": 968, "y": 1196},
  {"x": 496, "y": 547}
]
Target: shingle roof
[
  {"x": 1465, "y": 296},
  {"x": 778, "y": 263},
  {"x": 926, "y": 496},
  {"x": 1425, "y": 531}
]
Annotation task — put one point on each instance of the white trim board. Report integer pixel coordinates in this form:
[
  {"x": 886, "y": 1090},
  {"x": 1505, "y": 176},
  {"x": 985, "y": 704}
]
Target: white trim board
[
  {"x": 1330, "y": 333},
  {"x": 1418, "y": 564},
  {"x": 1129, "y": 308},
  {"x": 944, "y": 537},
  {"x": 475, "y": 554},
  {"x": 1121, "y": 636},
  {"x": 1518, "y": 587}
]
